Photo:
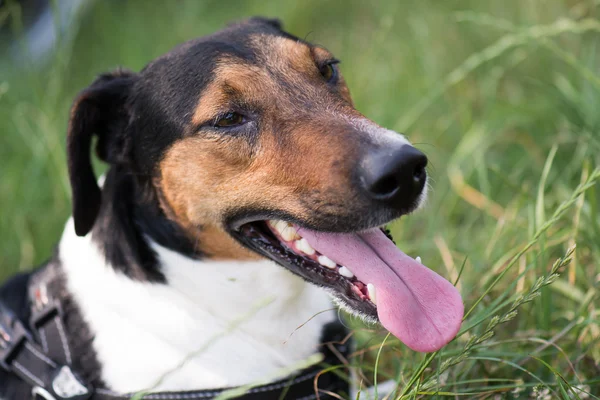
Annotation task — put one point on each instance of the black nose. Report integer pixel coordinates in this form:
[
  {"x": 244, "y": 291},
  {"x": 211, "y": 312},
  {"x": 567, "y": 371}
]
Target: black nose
[{"x": 394, "y": 176}]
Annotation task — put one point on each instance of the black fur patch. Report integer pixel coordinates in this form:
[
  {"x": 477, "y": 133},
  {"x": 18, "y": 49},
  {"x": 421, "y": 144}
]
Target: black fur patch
[{"x": 126, "y": 219}]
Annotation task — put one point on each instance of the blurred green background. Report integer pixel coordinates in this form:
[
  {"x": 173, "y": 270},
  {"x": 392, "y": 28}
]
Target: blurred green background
[{"x": 503, "y": 97}]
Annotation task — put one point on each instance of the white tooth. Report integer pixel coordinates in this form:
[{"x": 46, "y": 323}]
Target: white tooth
[
  {"x": 289, "y": 233},
  {"x": 326, "y": 262},
  {"x": 281, "y": 226},
  {"x": 371, "y": 291},
  {"x": 304, "y": 247},
  {"x": 418, "y": 259},
  {"x": 343, "y": 271},
  {"x": 285, "y": 229},
  {"x": 278, "y": 225}
]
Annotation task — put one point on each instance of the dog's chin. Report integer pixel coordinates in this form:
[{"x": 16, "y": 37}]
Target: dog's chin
[{"x": 280, "y": 242}]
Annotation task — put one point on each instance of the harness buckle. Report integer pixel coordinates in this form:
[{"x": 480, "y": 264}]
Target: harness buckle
[
  {"x": 67, "y": 385},
  {"x": 64, "y": 385},
  {"x": 41, "y": 315},
  {"x": 12, "y": 335}
]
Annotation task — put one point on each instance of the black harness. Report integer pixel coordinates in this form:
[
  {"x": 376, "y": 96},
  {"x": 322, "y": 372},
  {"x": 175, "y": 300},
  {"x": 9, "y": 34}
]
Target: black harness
[{"x": 38, "y": 353}]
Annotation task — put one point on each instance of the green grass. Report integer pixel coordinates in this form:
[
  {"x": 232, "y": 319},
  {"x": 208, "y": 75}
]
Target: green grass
[{"x": 504, "y": 97}]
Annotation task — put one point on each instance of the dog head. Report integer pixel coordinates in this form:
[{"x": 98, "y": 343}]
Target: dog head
[{"x": 248, "y": 142}]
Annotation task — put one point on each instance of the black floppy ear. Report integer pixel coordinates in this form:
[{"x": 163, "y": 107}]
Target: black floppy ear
[{"x": 98, "y": 110}]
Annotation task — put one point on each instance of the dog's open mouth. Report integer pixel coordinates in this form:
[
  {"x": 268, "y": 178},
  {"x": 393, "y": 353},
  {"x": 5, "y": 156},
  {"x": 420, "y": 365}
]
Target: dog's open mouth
[{"x": 368, "y": 274}]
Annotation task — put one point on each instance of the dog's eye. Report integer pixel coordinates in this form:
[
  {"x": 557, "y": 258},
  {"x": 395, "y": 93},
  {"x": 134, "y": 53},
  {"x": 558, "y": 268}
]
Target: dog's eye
[
  {"x": 230, "y": 119},
  {"x": 329, "y": 71}
]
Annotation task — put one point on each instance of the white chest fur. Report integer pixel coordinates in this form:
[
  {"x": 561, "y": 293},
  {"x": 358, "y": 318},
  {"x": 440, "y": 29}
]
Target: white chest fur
[{"x": 142, "y": 330}]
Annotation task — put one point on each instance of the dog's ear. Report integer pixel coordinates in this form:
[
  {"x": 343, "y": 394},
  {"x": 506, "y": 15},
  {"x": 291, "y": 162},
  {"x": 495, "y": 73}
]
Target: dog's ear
[{"x": 100, "y": 110}]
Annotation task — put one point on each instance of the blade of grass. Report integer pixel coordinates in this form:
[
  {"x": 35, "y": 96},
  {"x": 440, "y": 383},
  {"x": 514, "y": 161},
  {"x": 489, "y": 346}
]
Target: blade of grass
[
  {"x": 590, "y": 182},
  {"x": 377, "y": 364}
]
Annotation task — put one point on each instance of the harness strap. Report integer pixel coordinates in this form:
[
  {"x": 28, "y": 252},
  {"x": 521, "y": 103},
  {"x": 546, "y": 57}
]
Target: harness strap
[{"x": 50, "y": 333}]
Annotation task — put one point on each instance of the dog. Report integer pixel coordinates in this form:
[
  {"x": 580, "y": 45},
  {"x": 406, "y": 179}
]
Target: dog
[{"x": 244, "y": 192}]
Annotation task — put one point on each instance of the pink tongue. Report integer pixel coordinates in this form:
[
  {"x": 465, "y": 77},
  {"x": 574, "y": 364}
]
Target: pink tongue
[{"x": 414, "y": 303}]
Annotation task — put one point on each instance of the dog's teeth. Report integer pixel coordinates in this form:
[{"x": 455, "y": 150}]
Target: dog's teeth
[
  {"x": 343, "y": 271},
  {"x": 274, "y": 222},
  {"x": 326, "y": 262},
  {"x": 278, "y": 225},
  {"x": 371, "y": 291},
  {"x": 304, "y": 247},
  {"x": 289, "y": 234},
  {"x": 285, "y": 229},
  {"x": 418, "y": 259}
]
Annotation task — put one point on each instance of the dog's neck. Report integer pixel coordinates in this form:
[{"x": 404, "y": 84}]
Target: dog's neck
[
  {"x": 144, "y": 331},
  {"x": 179, "y": 323}
]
